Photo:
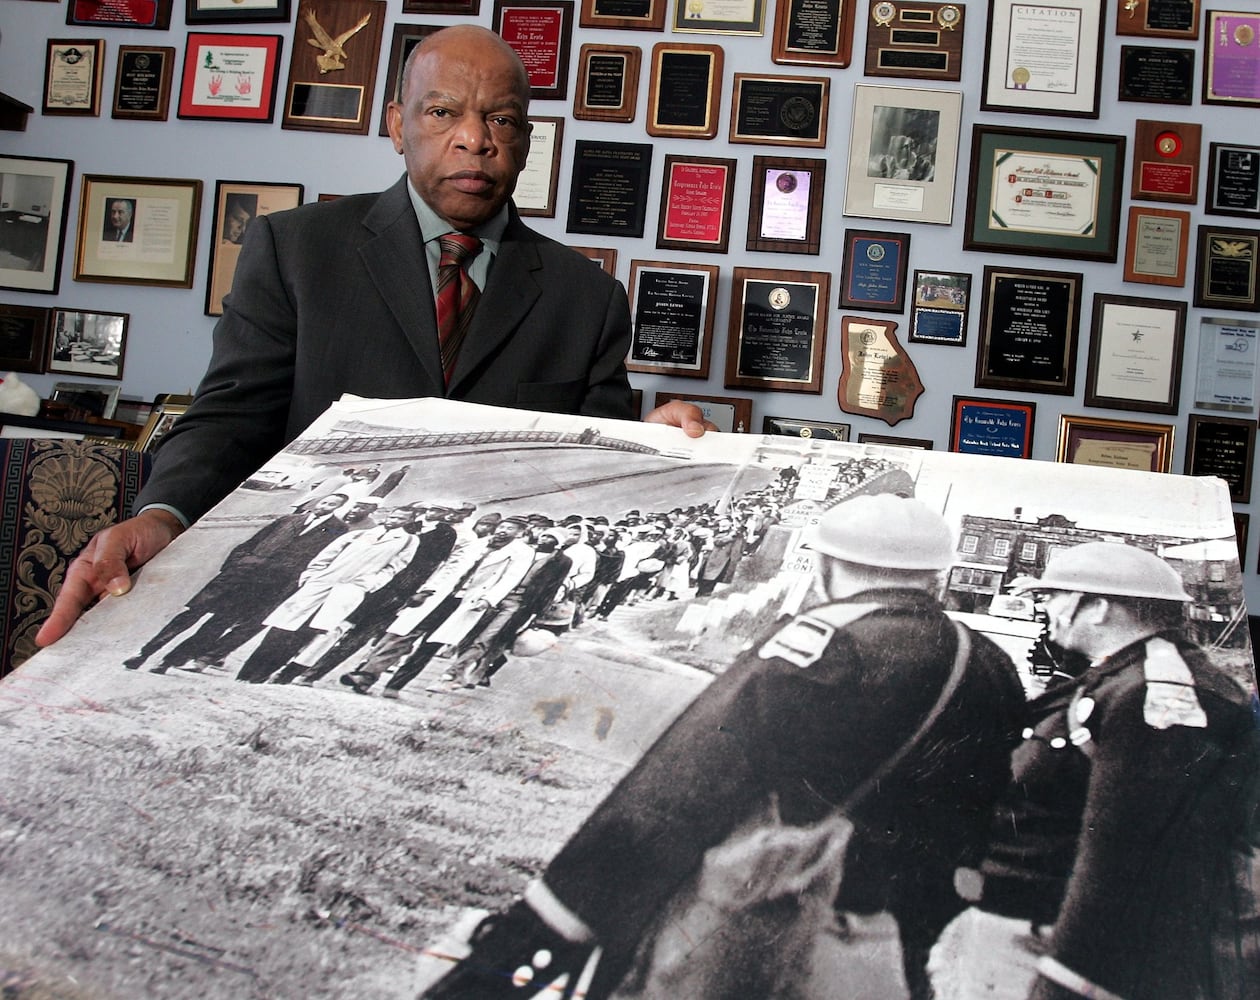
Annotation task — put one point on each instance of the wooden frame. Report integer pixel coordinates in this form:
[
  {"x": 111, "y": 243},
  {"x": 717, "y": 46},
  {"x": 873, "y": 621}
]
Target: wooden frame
[
  {"x": 230, "y": 77},
  {"x": 87, "y": 343},
  {"x": 785, "y": 215},
  {"x": 778, "y": 329},
  {"x": 903, "y": 153},
  {"x": 605, "y": 258},
  {"x": 691, "y": 17},
  {"x": 811, "y": 34},
  {"x": 780, "y": 110},
  {"x": 1233, "y": 180},
  {"x": 1156, "y": 249},
  {"x": 607, "y": 83},
  {"x": 672, "y": 306},
  {"x": 679, "y": 72},
  {"x": 34, "y": 208},
  {"x": 873, "y": 272},
  {"x": 940, "y": 303},
  {"x": 541, "y": 31},
  {"x": 732, "y": 414},
  {"x": 73, "y": 70},
  {"x": 331, "y": 85},
  {"x": 596, "y": 14},
  {"x": 1158, "y": 18},
  {"x": 538, "y": 184},
  {"x": 992, "y": 427},
  {"x": 154, "y": 14},
  {"x": 1135, "y": 348},
  {"x": 1043, "y": 60},
  {"x": 1115, "y": 444},
  {"x": 236, "y": 205},
  {"x": 1225, "y": 269},
  {"x": 165, "y": 209},
  {"x": 697, "y": 196},
  {"x": 1224, "y": 447},
  {"x": 237, "y": 11},
  {"x": 142, "y": 82},
  {"x": 1165, "y": 161},
  {"x": 1230, "y": 58},
  {"x": 1028, "y": 327},
  {"x": 915, "y": 40},
  {"x": 406, "y": 37},
  {"x": 23, "y": 338},
  {"x": 1016, "y": 173}
]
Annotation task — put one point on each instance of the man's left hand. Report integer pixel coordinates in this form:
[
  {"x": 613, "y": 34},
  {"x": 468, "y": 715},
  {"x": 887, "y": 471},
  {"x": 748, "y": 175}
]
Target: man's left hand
[{"x": 677, "y": 413}]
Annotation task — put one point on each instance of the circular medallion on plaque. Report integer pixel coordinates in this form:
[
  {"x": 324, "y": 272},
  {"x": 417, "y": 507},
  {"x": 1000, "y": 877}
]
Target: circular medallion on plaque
[
  {"x": 875, "y": 252},
  {"x": 142, "y": 61},
  {"x": 797, "y": 113},
  {"x": 1244, "y": 34},
  {"x": 867, "y": 337},
  {"x": 883, "y": 13},
  {"x": 949, "y": 16},
  {"x": 1168, "y": 144},
  {"x": 779, "y": 298},
  {"x": 786, "y": 182}
]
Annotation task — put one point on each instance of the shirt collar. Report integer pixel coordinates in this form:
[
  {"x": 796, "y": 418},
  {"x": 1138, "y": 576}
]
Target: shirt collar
[{"x": 433, "y": 225}]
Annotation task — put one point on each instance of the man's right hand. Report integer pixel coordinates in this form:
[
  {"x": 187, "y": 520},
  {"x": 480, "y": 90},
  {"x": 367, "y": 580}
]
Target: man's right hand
[{"x": 104, "y": 567}]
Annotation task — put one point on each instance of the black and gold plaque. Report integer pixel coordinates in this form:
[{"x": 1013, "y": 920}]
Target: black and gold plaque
[{"x": 921, "y": 41}]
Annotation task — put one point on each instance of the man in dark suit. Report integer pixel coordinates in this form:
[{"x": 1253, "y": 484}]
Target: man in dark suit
[
  {"x": 118, "y": 221},
  {"x": 338, "y": 297}
]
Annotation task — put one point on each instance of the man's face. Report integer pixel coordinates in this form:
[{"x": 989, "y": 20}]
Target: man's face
[
  {"x": 360, "y": 511},
  {"x": 399, "y": 517},
  {"x": 119, "y": 214},
  {"x": 483, "y": 526},
  {"x": 462, "y": 124},
  {"x": 328, "y": 504},
  {"x": 1061, "y": 608},
  {"x": 504, "y": 532},
  {"x": 234, "y": 227}
]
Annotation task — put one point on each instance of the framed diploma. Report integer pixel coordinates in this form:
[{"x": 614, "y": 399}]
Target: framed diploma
[
  {"x": 720, "y": 17},
  {"x": 441, "y": 7},
  {"x": 778, "y": 330},
  {"x": 605, "y": 258},
  {"x": 780, "y": 110},
  {"x": 1135, "y": 349},
  {"x": 1043, "y": 60},
  {"x": 88, "y": 343},
  {"x": 992, "y": 427},
  {"x": 1054, "y": 194},
  {"x": 903, "y": 151},
  {"x": 896, "y": 441},
  {"x": 877, "y": 377},
  {"x": 1227, "y": 365},
  {"x": 236, "y": 11},
  {"x": 34, "y": 207},
  {"x": 237, "y": 204},
  {"x": 873, "y": 274},
  {"x": 535, "y": 193},
  {"x": 820, "y": 430},
  {"x": 332, "y": 72},
  {"x": 1225, "y": 268},
  {"x": 541, "y": 32},
  {"x": 940, "y": 301},
  {"x": 1156, "y": 251},
  {"x": 1158, "y": 18},
  {"x": 696, "y": 200},
  {"x": 732, "y": 414},
  {"x": 230, "y": 77},
  {"x": 23, "y": 338},
  {"x": 1230, "y": 57},
  {"x": 406, "y": 37},
  {"x": 1166, "y": 162},
  {"x": 608, "y": 193},
  {"x": 1115, "y": 444},
  {"x": 1156, "y": 76},
  {"x": 72, "y": 76},
  {"x": 813, "y": 32},
  {"x": 137, "y": 230},
  {"x": 626, "y": 15},
  {"x": 142, "y": 86},
  {"x": 672, "y": 307},
  {"x": 119, "y": 13},
  {"x": 608, "y": 83},
  {"x": 922, "y": 41},
  {"x": 685, "y": 91},
  {"x": 1224, "y": 447},
  {"x": 1028, "y": 324},
  {"x": 1233, "y": 184},
  {"x": 786, "y": 211}
]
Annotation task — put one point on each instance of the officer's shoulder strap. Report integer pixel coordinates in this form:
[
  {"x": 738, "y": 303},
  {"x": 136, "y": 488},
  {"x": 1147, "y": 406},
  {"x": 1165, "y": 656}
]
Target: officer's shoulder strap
[{"x": 804, "y": 639}]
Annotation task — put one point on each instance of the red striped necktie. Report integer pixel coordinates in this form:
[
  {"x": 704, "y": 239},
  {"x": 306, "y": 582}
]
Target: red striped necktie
[{"x": 457, "y": 295}]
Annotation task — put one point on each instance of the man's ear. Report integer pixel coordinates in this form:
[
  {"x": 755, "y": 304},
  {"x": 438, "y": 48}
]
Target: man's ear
[{"x": 394, "y": 123}]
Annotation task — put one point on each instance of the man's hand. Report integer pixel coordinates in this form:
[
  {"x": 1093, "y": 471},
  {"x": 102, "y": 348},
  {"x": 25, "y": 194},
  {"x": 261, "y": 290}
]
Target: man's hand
[
  {"x": 677, "y": 413},
  {"x": 104, "y": 567}
]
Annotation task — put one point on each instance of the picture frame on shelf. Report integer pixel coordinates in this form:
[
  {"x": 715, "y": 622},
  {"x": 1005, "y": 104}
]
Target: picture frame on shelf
[
  {"x": 541, "y": 32},
  {"x": 229, "y": 77},
  {"x": 161, "y": 212},
  {"x": 142, "y": 83},
  {"x": 34, "y": 209},
  {"x": 23, "y": 338},
  {"x": 999, "y": 427},
  {"x": 773, "y": 110},
  {"x": 731, "y": 414},
  {"x": 685, "y": 90},
  {"x": 537, "y": 185},
  {"x": 73, "y": 69},
  {"x": 785, "y": 214},
  {"x": 778, "y": 329},
  {"x": 160, "y": 421},
  {"x": 1115, "y": 444},
  {"x": 697, "y": 197},
  {"x": 1043, "y": 60},
  {"x": 1157, "y": 247},
  {"x": 237, "y": 11},
  {"x": 237, "y": 204},
  {"x": 672, "y": 306},
  {"x": 940, "y": 303},
  {"x": 87, "y": 343},
  {"x": 1223, "y": 447},
  {"x": 94, "y": 400},
  {"x": 873, "y": 270},
  {"x": 1028, "y": 330},
  {"x": 1135, "y": 348}
]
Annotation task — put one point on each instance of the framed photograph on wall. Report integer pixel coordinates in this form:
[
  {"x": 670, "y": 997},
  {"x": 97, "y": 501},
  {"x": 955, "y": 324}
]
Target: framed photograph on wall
[
  {"x": 992, "y": 427},
  {"x": 780, "y": 110},
  {"x": 697, "y": 195},
  {"x": 23, "y": 338},
  {"x": 137, "y": 230},
  {"x": 1043, "y": 60},
  {"x": 903, "y": 151},
  {"x": 643, "y": 15},
  {"x": 237, "y": 11},
  {"x": 939, "y": 305},
  {"x": 88, "y": 343},
  {"x": 1156, "y": 250},
  {"x": 1028, "y": 325},
  {"x": 237, "y": 204},
  {"x": 1224, "y": 447},
  {"x": 1053, "y": 194},
  {"x": 73, "y": 68},
  {"x": 786, "y": 211},
  {"x": 671, "y": 309},
  {"x": 778, "y": 330},
  {"x": 1135, "y": 348},
  {"x": 1115, "y": 444},
  {"x": 732, "y": 414},
  {"x": 142, "y": 84},
  {"x": 536, "y": 187},
  {"x": 685, "y": 90},
  {"x": 34, "y": 207},
  {"x": 230, "y": 78},
  {"x": 873, "y": 272}
]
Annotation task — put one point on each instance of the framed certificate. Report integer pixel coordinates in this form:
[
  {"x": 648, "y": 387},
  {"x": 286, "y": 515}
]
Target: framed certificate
[
  {"x": 1115, "y": 444},
  {"x": 813, "y": 32},
  {"x": 992, "y": 427},
  {"x": 1028, "y": 324},
  {"x": 1135, "y": 349},
  {"x": 720, "y": 17},
  {"x": 1043, "y": 60},
  {"x": 696, "y": 200},
  {"x": 903, "y": 151},
  {"x": 1231, "y": 54},
  {"x": 1158, "y": 18},
  {"x": 535, "y": 193},
  {"x": 332, "y": 72},
  {"x": 1233, "y": 184},
  {"x": 939, "y": 303},
  {"x": 230, "y": 77},
  {"x": 541, "y": 32},
  {"x": 672, "y": 307},
  {"x": 142, "y": 85},
  {"x": 34, "y": 205},
  {"x": 685, "y": 90},
  {"x": 1228, "y": 360},
  {"x": 873, "y": 274},
  {"x": 1225, "y": 268},
  {"x": 786, "y": 211},
  {"x": 1166, "y": 162},
  {"x": 237, "y": 204},
  {"x": 608, "y": 194},
  {"x": 608, "y": 83},
  {"x": 1055, "y": 194},
  {"x": 23, "y": 338},
  {"x": 1158, "y": 241},
  {"x": 627, "y": 15},
  {"x": 922, "y": 41},
  {"x": 72, "y": 76},
  {"x": 780, "y": 110},
  {"x": 778, "y": 330},
  {"x": 120, "y": 13},
  {"x": 1224, "y": 447},
  {"x": 236, "y": 11},
  {"x": 732, "y": 414}
]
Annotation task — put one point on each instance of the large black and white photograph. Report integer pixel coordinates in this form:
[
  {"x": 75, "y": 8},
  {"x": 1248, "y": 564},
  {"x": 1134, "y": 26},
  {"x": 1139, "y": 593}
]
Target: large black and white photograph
[
  {"x": 458, "y": 701},
  {"x": 33, "y": 211}
]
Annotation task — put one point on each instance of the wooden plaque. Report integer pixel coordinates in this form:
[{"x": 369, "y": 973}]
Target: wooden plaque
[
  {"x": 332, "y": 76},
  {"x": 1166, "y": 162},
  {"x": 923, "y": 41}
]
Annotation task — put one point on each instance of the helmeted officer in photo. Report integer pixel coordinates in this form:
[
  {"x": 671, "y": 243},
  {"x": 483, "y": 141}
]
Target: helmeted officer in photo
[{"x": 804, "y": 717}]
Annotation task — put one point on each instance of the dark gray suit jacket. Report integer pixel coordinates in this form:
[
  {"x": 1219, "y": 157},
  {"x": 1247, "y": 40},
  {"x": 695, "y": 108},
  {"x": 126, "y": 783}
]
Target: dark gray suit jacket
[{"x": 335, "y": 297}]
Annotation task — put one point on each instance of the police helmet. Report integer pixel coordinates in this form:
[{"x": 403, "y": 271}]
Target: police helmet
[
  {"x": 887, "y": 531},
  {"x": 1110, "y": 568}
]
